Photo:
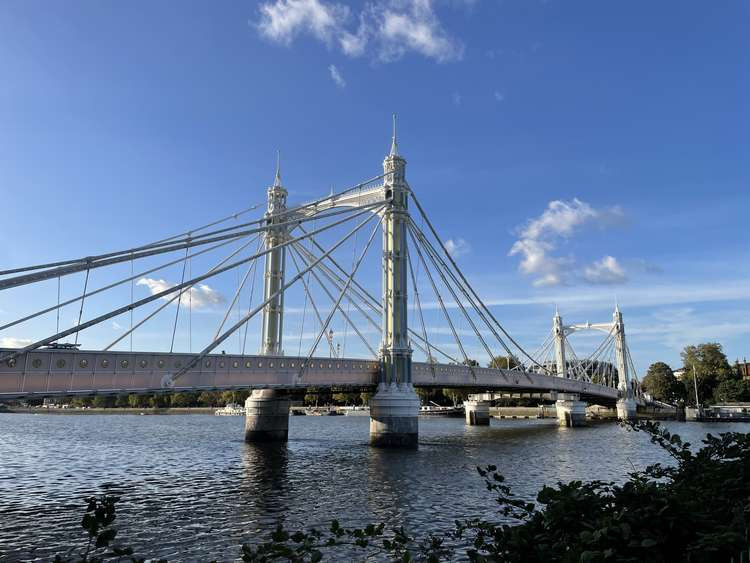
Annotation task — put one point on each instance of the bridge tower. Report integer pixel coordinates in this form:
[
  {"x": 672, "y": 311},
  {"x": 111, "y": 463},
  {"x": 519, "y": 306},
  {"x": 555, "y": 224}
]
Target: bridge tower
[
  {"x": 559, "y": 331},
  {"x": 571, "y": 411},
  {"x": 394, "y": 409},
  {"x": 266, "y": 410},
  {"x": 626, "y": 406}
]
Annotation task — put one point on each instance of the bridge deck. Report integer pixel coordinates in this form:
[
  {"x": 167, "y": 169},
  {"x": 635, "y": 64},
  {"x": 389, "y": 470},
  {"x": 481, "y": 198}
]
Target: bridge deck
[{"x": 51, "y": 372}]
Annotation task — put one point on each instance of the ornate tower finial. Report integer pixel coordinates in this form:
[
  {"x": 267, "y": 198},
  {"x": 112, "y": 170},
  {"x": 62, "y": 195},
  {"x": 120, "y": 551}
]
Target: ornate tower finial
[
  {"x": 394, "y": 144},
  {"x": 277, "y": 180}
]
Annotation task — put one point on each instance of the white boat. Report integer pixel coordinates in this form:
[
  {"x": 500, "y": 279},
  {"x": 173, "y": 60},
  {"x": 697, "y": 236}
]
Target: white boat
[{"x": 232, "y": 409}]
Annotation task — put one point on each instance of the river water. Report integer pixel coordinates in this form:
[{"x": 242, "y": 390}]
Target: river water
[{"x": 193, "y": 490}]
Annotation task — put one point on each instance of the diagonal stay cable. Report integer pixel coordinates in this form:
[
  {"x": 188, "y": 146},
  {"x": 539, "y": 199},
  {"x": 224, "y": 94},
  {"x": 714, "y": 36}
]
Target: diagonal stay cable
[
  {"x": 468, "y": 285},
  {"x": 170, "y": 290},
  {"x": 336, "y": 305},
  {"x": 309, "y": 297},
  {"x": 252, "y": 294},
  {"x": 164, "y": 240},
  {"x": 174, "y": 298},
  {"x": 251, "y": 314},
  {"x": 179, "y": 302},
  {"x": 458, "y": 302},
  {"x": 110, "y": 286},
  {"x": 356, "y": 290},
  {"x": 442, "y": 304},
  {"x": 116, "y": 258},
  {"x": 431, "y": 251},
  {"x": 430, "y": 358},
  {"x": 344, "y": 314}
]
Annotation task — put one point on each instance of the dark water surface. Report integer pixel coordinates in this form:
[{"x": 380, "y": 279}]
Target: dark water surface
[{"x": 192, "y": 489}]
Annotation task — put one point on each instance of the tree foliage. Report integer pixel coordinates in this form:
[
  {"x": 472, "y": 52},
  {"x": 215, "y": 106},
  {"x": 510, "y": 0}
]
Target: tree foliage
[
  {"x": 711, "y": 368},
  {"x": 661, "y": 383},
  {"x": 504, "y": 362}
]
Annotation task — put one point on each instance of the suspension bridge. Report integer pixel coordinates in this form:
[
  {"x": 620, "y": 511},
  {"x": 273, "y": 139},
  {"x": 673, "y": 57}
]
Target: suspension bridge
[{"x": 429, "y": 321}]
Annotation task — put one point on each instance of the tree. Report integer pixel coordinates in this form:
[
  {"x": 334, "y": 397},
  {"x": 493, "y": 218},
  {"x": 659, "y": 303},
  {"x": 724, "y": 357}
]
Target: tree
[
  {"x": 661, "y": 383},
  {"x": 183, "y": 399},
  {"x": 103, "y": 402},
  {"x": 711, "y": 368},
  {"x": 471, "y": 363},
  {"x": 455, "y": 395},
  {"x": 122, "y": 401},
  {"x": 208, "y": 399},
  {"x": 138, "y": 401},
  {"x": 732, "y": 391},
  {"x": 159, "y": 401},
  {"x": 504, "y": 362},
  {"x": 365, "y": 397}
]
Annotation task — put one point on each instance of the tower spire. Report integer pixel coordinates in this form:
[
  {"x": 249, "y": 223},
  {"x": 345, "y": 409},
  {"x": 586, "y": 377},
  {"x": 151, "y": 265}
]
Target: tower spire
[
  {"x": 394, "y": 144},
  {"x": 277, "y": 180}
]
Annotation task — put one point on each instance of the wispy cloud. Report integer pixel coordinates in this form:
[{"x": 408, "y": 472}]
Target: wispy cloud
[
  {"x": 457, "y": 98},
  {"x": 116, "y": 325},
  {"x": 199, "y": 297},
  {"x": 499, "y": 97},
  {"x": 387, "y": 30},
  {"x": 561, "y": 220},
  {"x": 457, "y": 247},
  {"x": 606, "y": 270},
  {"x": 12, "y": 342},
  {"x": 336, "y": 76}
]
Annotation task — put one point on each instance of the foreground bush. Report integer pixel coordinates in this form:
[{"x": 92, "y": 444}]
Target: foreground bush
[{"x": 696, "y": 510}]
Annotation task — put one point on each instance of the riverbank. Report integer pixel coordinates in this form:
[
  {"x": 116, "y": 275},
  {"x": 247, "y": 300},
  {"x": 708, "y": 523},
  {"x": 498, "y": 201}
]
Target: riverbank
[{"x": 130, "y": 411}]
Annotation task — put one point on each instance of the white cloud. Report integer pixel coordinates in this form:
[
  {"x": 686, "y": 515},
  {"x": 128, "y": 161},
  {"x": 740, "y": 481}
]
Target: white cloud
[
  {"x": 199, "y": 296},
  {"x": 11, "y": 342},
  {"x": 388, "y": 28},
  {"x": 283, "y": 20},
  {"x": 116, "y": 325},
  {"x": 606, "y": 270},
  {"x": 561, "y": 220},
  {"x": 336, "y": 76},
  {"x": 457, "y": 98},
  {"x": 498, "y": 96},
  {"x": 457, "y": 247},
  {"x": 413, "y": 26}
]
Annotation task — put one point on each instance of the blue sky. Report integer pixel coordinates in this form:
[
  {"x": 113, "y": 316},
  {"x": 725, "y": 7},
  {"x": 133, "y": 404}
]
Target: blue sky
[{"x": 574, "y": 153}]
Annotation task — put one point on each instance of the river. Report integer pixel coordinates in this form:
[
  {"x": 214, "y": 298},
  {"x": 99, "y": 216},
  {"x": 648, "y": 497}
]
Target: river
[{"x": 193, "y": 490}]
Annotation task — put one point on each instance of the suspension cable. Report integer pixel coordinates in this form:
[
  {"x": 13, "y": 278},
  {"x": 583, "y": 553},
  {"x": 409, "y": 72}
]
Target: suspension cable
[
  {"x": 250, "y": 314},
  {"x": 341, "y": 295},
  {"x": 346, "y": 316},
  {"x": 80, "y": 312},
  {"x": 442, "y": 305}
]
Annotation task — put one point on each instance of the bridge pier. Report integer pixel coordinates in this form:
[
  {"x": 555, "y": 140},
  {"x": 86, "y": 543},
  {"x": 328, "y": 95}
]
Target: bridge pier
[
  {"x": 267, "y": 416},
  {"x": 394, "y": 416},
  {"x": 571, "y": 411},
  {"x": 626, "y": 409},
  {"x": 477, "y": 412}
]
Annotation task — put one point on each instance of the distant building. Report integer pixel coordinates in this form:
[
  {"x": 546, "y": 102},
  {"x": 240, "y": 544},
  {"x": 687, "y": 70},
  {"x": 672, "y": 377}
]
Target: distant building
[
  {"x": 743, "y": 367},
  {"x": 678, "y": 373}
]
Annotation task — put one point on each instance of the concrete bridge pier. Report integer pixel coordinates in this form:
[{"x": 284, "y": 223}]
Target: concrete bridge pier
[
  {"x": 571, "y": 411},
  {"x": 477, "y": 412},
  {"x": 267, "y": 416},
  {"x": 394, "y": 416},
  {"x": 626, "y": 409}
]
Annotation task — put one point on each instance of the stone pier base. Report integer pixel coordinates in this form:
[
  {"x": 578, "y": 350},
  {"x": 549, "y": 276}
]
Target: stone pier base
[
  {"x": 570, "y": 410},
  {"x": 394, "y": 416},
  {"x": 477, "y": 413},
  {"x": 626, "y": 409},
  {"x": 267, "y": 416}
]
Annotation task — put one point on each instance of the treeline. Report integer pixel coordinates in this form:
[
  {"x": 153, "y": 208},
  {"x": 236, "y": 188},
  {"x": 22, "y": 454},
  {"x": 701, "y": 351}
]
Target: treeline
[{"x": 704, "y": 367}]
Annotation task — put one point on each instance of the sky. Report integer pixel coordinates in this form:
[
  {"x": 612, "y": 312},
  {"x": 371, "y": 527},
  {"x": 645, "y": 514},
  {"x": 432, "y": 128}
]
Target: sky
[{"x": 572, "y": 154}]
